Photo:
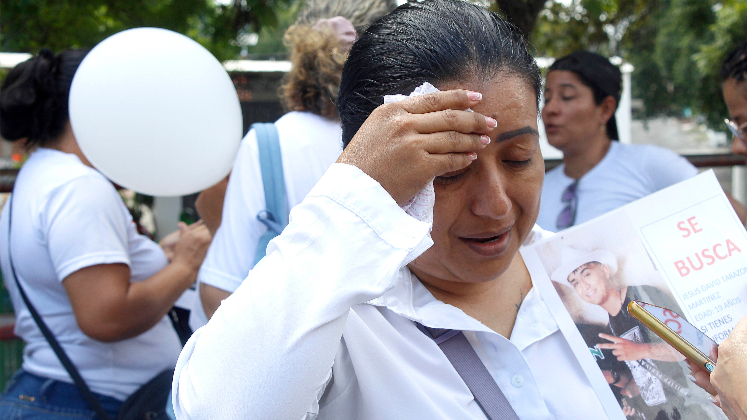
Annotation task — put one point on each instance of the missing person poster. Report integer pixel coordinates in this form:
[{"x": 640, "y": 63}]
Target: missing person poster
[{"x": 682, "y": 248}]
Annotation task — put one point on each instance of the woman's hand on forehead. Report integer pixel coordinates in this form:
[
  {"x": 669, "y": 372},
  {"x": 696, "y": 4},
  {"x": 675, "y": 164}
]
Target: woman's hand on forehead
[{"x": 404, "y": 145}]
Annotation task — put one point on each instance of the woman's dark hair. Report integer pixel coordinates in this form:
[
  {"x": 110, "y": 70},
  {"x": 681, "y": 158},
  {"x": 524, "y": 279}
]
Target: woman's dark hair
[
  {"x": 735, "y": 64},
  {"x": 433, "y": 41},
  {"x": 596, "y": 72},
  {"x": 34, "y": 97}
]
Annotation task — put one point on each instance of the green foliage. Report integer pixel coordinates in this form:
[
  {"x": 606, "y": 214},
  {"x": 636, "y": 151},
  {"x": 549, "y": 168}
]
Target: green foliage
[
  {"x": 594, "y": 25},
  {"x": 729, "y": 30},
  {"x": 270, "y": 41},
  {"x": 638, "y": 46},
  {"x": 683, "y": 28},
  {"x": 562, "y": 29},
  {"x": 28, "y": 25}
]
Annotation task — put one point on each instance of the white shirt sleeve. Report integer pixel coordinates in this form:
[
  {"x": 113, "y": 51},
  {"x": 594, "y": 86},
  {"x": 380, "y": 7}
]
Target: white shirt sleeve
[
  {"x": 85, "y": 225},
  {"x": 268, "y": 351},
  {"x": 231, "y": 253},
  {"x": 665, "y": 167}
]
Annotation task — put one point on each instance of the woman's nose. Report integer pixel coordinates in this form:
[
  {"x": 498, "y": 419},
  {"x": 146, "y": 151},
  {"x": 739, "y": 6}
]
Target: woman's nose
[
  {"x": 549, "y": 108},
  {"x": 739, "y": 147},
  {"x": 491, "y": 199}
]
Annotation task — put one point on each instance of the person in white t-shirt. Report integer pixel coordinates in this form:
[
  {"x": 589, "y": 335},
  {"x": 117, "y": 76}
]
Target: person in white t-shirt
[
  {"x": 326, "y": 325},
  {"x": 598, "y": 173},
  {"x": 310, "y": 142},
  {"x": 101, "y": 287},
  {"x": 728, "y": 382}
]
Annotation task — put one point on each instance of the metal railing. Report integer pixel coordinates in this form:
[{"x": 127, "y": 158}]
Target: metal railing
[{"x": 699, "y": 160}]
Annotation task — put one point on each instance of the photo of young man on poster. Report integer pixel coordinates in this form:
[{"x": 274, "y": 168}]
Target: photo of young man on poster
[{"x": 646, "y": 375}]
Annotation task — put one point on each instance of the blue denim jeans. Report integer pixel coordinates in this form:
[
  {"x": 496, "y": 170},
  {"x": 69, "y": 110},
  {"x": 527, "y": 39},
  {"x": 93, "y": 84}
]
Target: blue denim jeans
[{"x": 31, "y": 397}]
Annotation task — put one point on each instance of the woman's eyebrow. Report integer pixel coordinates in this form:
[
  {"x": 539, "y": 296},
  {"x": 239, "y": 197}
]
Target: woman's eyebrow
[{"x": 511, "y": 134}]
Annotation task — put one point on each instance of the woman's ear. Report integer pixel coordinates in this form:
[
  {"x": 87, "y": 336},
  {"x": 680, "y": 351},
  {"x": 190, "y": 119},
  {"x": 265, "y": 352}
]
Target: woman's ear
[{"x": 608, "y": 108}]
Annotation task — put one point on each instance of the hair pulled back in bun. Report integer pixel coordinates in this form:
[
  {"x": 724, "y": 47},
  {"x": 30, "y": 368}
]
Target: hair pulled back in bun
[{"x": 34, "y": 97}]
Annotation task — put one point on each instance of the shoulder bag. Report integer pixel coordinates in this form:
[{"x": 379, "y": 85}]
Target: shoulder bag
[
  {"x": 475, "y": 375},
  {"x": 147, "y": 403},
  {"x": 275, "y": 215}
]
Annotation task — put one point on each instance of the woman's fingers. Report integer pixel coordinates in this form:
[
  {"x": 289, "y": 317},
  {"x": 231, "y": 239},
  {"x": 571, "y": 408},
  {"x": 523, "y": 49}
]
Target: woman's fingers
[
  {"x": 450, "y": 162},
  {"x": 701, "y": 378},
  {"x": 439, "y": 101},
  {"x": 454, "y": 142},
  {"x": 196, "y": 225},
  {"x": 452, "y": 120},
  {"x": 403, "y": 145},
  {"x": 446, "y": 111}
]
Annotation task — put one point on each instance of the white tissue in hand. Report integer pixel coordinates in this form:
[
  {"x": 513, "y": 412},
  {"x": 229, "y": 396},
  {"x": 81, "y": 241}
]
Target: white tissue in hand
[
  {"x": 420, "y": 90},
  {"x": 421, "y": 206}
]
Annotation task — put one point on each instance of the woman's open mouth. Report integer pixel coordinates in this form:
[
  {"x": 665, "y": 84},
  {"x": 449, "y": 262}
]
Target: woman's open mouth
[
  {"x": 551, "y": 128},
  {"x": 488, "y": 244},
  {"x": 486, "y": 240}
]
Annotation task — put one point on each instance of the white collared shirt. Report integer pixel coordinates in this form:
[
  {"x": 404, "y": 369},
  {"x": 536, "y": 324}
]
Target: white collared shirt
[{"x": 323, "y": 329}]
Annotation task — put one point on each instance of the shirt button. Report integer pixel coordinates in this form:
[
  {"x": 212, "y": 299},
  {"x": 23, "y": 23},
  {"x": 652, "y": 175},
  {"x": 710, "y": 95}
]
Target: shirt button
[{"x": 517, "y": 381}]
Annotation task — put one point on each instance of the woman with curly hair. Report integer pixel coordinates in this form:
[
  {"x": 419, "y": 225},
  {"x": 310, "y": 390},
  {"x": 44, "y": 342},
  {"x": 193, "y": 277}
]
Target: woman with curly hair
[{"x": 309, "y": 136}]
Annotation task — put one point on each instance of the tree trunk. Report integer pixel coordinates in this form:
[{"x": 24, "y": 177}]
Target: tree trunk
[{"x": 522, "y": 13}]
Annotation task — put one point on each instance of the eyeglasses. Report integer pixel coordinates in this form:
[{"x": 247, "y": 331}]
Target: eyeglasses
[
  {"x": 567, "y": 216},
  {"x": 737, "y": 131}
]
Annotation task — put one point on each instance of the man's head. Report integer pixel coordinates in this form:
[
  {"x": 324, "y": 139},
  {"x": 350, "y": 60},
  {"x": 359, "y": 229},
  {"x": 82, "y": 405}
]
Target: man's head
[
  {"x": 589, "y": 272},
  {"x": 592, "y": 282}
]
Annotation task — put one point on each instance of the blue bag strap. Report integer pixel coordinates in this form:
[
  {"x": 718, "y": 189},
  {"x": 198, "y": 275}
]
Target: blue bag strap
[{"x": 275, "y": 214}]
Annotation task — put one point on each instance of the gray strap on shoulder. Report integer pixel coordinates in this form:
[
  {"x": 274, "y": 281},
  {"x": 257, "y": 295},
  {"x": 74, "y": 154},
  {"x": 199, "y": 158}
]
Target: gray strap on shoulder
[{"x": 475, "y": 375}]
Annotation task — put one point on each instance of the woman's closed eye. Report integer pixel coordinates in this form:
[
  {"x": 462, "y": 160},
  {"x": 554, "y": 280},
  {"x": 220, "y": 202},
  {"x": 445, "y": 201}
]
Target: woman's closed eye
[
  {"x": 521, "y": 154},
  {"x": 450, "y": 177},
  {"x": 518, "y": 163}
]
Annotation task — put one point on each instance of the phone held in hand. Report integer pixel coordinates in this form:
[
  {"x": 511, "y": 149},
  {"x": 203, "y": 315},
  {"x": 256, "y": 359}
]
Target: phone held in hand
[{"x": 678, "y": 333}]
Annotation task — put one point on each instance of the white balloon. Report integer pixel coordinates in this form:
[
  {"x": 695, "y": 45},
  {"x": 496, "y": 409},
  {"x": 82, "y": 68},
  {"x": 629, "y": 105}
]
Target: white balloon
[{"x": 155, "y": 112}]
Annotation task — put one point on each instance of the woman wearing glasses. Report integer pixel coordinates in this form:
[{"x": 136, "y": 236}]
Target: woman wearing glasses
[
  {"x": 734, "y": 74},
  {"x": 598, "y": 173},
  {"x": 727, "y": 382}
]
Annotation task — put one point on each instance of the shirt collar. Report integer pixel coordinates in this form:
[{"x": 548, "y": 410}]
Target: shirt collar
[
  {"x": 533, "y": 322},
  {"x": 409, "y": 298}
]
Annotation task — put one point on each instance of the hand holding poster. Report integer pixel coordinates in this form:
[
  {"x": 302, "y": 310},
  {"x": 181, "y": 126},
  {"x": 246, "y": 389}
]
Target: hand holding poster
[{"x": 682, "y": 248}]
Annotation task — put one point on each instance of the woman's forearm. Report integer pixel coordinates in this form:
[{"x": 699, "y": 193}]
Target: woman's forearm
[
  {"x": 268, "y": 350},
  {"x": 110, "y": 308}
]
